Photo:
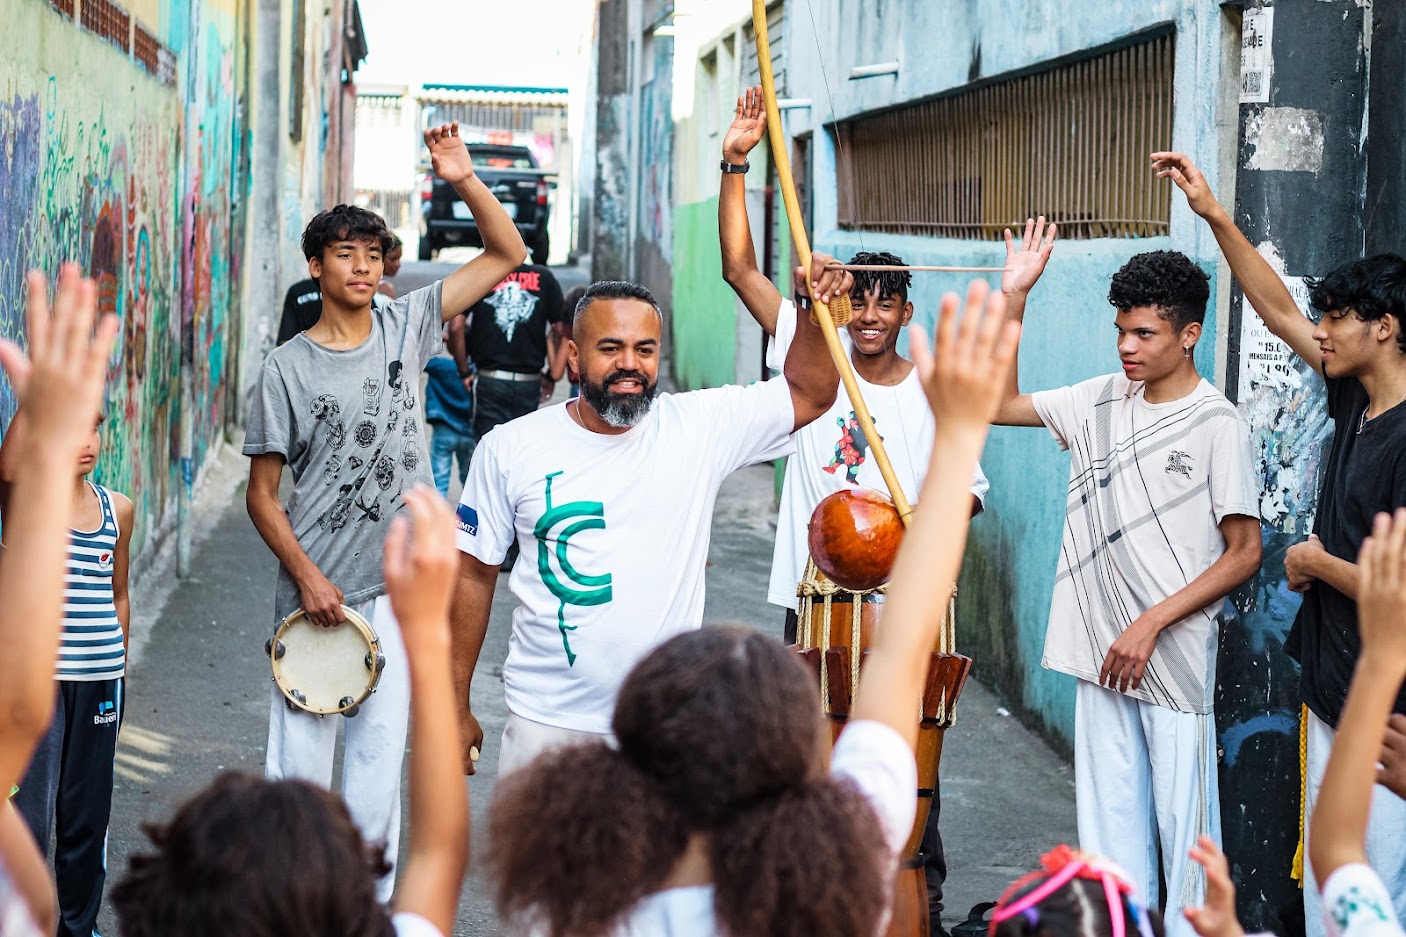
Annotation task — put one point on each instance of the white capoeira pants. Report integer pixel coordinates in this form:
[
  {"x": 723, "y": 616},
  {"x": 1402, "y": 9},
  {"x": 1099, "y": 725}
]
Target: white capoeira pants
[
  {"x": 524, "y": 740},
  {"x": 1145, "y": 774},
  {"x": 303, "y": 746},
  {"x": 1386, "y": 832}
]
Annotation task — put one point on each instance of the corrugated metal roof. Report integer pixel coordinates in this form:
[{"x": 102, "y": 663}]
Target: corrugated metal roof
[{"x": 492, "y": 94}]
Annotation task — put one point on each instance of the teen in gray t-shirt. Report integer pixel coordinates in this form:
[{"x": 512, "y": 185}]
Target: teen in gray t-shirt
[{"x": 348, "y": 424}]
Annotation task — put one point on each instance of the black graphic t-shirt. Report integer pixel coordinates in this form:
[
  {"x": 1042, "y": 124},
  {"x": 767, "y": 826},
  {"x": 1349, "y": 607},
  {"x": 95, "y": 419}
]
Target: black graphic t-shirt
[
  {"x": 1365, "y": 474},
  {"x": 508, "y": 327},
  {"x": 348, "y": 423}
]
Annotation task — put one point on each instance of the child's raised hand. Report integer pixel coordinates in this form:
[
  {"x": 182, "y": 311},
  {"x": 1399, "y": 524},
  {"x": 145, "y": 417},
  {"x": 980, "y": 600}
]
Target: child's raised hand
[
  {"x": 1216, "y": 918},
  {"x": 1381, "y": 595},
  {"x": 59, "y": 381},
  {"x": 421, "y": 564},
  {"x": 964, "y": 373}
]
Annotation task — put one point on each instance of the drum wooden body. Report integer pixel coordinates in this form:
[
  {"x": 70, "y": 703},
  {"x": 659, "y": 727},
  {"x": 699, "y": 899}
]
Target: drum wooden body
[
  {"x": 326, "y": 671},
  {"x": 835, "y": 629}
]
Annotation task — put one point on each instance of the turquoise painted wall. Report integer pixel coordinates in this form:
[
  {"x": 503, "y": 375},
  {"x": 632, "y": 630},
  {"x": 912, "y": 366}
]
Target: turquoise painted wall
[
  {"x": 1004, "y": 594},
  {"x": 705, "y": 309}
]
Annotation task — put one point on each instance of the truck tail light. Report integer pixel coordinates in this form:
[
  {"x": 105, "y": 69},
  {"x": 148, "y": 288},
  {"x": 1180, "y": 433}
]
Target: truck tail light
[
  {"x": 427, "y": 188},
  {"x": 542, "y": 192}
]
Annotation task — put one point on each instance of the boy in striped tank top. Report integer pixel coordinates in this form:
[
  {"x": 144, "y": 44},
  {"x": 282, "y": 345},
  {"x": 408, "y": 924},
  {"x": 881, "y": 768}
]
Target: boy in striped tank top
[{"x": 70, "y": 777}]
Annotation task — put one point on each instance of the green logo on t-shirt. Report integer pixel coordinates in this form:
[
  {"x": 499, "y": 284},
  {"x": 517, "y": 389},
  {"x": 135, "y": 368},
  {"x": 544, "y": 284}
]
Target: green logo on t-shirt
[{"x": 582, "y": 589}]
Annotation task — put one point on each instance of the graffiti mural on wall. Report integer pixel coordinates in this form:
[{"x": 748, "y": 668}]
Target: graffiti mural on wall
[{"x": 99, "y": 179}]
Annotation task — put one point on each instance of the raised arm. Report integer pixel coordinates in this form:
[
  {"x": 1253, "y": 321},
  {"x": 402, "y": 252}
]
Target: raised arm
[
  {"x": 758, "y": 294},
  {"x": 1338, "y": 833},
  {"x": 809, "y": 369},
  {"x": 419, "y": 571},
  {"x": 1262, "y": 285},
  {"x": 503, "y": 249},
  {"x": 963, "y": 376},
  {"x": 60, "y": 386},
  {"x": 1024, "y": 265},
  {"x": 473, "y": 600}
]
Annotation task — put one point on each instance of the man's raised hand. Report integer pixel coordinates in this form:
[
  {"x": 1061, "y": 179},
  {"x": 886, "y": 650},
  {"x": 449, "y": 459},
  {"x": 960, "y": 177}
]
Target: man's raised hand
[
  {"x": 747, "y": 127},
  {"x": 964, "y": 372},
  {"x": 1025, "y": 265},
  {"x": 1181, "y": 170},
  {"x": 448, "y": 155},
  {"x": 59, "y": 382}
]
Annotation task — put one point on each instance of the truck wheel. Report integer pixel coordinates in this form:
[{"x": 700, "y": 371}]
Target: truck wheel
[
  {"x": 426, "y": 251},
  {"x": 540, "y": 249}
]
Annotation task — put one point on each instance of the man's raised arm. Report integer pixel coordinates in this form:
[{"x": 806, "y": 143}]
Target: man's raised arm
[
  {"x": 1262, "y": 285},
  {"x": 503, "y": 249},
  {"x": 1023, "y": 269},
  {"x": 809, "y": 370},
  {"x": 758, "y": 294}
]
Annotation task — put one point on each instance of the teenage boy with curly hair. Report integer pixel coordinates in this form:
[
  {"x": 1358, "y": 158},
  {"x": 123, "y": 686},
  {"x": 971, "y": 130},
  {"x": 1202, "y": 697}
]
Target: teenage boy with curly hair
[
  {"x": 337, "y": 404},
  {"x": 1160, "y": 525}
]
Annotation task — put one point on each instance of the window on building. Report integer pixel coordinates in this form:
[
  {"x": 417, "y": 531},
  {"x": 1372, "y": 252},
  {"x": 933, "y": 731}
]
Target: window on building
[{"x": 1070, "y": 142}]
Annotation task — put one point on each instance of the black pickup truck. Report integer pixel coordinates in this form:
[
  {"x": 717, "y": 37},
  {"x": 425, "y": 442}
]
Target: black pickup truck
[{"x": 512, "y": 174}]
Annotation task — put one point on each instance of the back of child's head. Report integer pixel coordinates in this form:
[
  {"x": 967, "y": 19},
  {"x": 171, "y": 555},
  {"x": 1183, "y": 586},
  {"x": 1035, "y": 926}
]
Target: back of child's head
[
  {"x": 346, "y": 223},
  {"x": 1073, "y": 895},
  {"x": 248, "y": 857},
  {"x": 719, "y": 733}
]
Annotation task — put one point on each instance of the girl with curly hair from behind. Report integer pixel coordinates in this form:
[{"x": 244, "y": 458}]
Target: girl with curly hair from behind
[{"x": 715, "y": 812}]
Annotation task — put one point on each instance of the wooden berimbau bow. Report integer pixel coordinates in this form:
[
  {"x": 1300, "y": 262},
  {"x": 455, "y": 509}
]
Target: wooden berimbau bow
[{"x": 782, "y": 160}]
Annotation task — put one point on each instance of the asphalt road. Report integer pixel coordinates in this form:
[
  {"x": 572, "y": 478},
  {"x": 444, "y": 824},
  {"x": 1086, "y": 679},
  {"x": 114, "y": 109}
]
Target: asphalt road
[{"x": 198, "y": 693}]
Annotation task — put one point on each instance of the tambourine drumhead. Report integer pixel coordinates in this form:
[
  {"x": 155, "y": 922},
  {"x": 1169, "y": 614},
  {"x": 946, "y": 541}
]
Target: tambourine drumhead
[{"x": 326, "y": 670}]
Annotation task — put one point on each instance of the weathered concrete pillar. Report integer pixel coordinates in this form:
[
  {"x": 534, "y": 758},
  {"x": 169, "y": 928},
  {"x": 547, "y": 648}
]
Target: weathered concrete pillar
[
  {"x": 1386, "y": 170},
  {"x": 1299, "y": 190},
  {"x": 611, "y": 209}
]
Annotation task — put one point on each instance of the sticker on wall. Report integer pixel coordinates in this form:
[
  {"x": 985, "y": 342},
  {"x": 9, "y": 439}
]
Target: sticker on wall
[
  {"x": 1256, "y": 55},
  {"x": 1264, "y": 358}
]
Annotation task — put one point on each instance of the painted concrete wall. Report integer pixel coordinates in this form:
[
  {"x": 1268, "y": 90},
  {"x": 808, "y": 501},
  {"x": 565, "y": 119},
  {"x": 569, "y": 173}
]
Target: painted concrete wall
[
  {"x": 103, "y": 164},
  {"x": 945, "y": 45}
]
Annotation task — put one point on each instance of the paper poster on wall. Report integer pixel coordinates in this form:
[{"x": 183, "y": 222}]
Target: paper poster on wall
[
  {"x": 1264, "y": 358},
  {"x": 1256, "y": 55}
]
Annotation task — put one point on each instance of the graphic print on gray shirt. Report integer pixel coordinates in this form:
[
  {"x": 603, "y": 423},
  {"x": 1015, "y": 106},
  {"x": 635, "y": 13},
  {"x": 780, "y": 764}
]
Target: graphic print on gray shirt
[{"x": 347, "y": 422}]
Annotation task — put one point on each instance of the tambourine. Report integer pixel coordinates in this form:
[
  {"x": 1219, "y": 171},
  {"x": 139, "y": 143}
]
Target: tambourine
[{"x": 326, "y": 671}]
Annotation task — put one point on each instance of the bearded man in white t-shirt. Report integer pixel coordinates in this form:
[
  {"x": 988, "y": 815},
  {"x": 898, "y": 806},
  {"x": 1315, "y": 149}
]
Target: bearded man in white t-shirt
[
  {"x": 610, "y": 498},
  {"x": 1161, "y": 523}
]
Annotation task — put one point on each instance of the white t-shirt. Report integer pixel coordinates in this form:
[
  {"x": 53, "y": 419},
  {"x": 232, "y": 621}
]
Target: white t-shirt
[
  {"x": 1149, "y": 483},
  {"x": 614, "y": 536},
  {"x": 412, "y": 925},
  {"x": 870, "y": 754},
  {"x": 1357, "y": 904},
  {"x": 831, "y": 454}
]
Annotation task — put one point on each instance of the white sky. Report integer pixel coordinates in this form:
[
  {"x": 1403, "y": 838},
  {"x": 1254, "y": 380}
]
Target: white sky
[{"x": 538, "y": 43}]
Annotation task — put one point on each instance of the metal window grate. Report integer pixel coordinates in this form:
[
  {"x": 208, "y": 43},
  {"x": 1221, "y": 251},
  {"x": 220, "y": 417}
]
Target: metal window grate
[
  {"x": 146, "y": 49},
  {"x": 109, "y": 21},
  {"x": 1070, "y": 142},
  {"x": 63, "y": 6}
]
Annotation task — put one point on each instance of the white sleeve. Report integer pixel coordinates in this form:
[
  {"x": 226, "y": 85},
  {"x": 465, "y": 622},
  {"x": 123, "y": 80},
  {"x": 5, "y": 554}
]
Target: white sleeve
[
  {"x": 1356, "y": 904},
  {"x": 406, "y": 924},
  {"x": 743, "y": 425},
  {"x": 980, "y": 486},
  {"x": 485, "y": 514},
  {"x": 785, "y": 334},
  {"x": 1234, "y": 488},
  {"x": 1061, "y": 410},
  {"x": 881, "y": 765}
]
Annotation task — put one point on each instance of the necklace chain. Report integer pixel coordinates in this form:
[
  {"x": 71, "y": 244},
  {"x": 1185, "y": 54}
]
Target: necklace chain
[{"x": 1362, "y": 421}]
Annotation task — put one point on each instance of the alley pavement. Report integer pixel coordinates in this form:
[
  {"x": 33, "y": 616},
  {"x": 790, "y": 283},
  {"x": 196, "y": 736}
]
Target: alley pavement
[{"x": 199, "y": 690}]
